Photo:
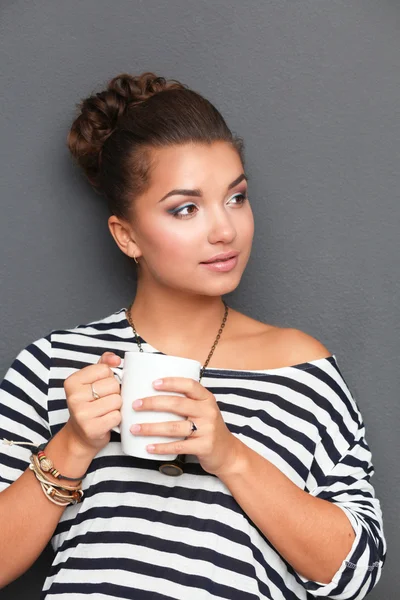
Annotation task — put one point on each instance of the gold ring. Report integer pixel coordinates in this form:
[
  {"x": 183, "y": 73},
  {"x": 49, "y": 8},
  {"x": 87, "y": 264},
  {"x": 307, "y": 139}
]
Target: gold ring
[{"x": 94, "y": 393}]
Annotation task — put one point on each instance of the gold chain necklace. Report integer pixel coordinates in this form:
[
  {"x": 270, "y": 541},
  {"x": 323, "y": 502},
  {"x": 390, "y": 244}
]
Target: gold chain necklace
[
  {"x": 173, "y": 468},
  {"x": 129, "y": 317}
]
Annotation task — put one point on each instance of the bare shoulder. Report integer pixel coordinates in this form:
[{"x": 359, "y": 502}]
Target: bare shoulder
[
  {"x": 269, "y": 346},
  {"x": 297, "y": 346}
]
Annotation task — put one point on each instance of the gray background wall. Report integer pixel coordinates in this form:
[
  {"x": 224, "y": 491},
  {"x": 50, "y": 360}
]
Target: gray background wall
[{"x": 313, "y": 86}]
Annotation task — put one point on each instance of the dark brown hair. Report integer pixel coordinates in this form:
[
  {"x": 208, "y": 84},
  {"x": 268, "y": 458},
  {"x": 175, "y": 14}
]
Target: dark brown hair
[{"x": 112, "y": 136}]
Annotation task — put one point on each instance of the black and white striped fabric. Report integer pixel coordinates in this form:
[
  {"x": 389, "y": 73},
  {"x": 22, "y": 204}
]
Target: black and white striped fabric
[{"x": 142, "y": 535}]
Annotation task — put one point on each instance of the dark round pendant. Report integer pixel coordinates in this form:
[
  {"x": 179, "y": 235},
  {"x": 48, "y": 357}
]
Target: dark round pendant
[{"x": 170, "y": 469}]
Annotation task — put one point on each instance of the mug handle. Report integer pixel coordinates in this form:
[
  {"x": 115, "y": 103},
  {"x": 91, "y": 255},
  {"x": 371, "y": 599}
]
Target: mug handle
[{"x": 118, "y": 376}]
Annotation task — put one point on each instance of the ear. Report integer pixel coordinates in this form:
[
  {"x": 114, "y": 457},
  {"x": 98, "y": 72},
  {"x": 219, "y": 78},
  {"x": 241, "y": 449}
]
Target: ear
[{"x": 124, "y": 236}]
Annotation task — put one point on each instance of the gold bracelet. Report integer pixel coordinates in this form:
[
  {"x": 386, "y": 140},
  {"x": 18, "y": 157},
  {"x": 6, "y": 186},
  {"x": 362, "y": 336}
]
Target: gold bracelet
[
  {"x": 49, "y": 487},
  {"x": 42, "y": 477},
  {"x": 51, "y": 490},
  {"x": 46, "y": 463},
  {"x": 52, "y": 494},
  {"x": 49, "y": 496},
  {"x": 48, "y": 490},
  {"x": 36, "y": 462}
]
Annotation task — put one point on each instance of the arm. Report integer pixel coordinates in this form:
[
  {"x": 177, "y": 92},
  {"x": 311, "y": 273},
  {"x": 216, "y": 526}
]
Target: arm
[
  {"x": 27, "y": 517},
  {"x": 332, "y": 536},
  {"x": 298, "y": 525}
]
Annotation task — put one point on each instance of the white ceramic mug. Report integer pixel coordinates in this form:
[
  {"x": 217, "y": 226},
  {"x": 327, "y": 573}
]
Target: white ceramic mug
[{"x": 139, "y": 371}]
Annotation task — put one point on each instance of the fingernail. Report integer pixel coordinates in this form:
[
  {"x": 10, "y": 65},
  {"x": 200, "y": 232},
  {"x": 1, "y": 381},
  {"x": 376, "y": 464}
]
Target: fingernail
[
  {"x": 157, "y": 382},
  {"x": 135, "y": 428},
  {"x": 137, "y": 403},
  {"x": 150, "y": 448}
]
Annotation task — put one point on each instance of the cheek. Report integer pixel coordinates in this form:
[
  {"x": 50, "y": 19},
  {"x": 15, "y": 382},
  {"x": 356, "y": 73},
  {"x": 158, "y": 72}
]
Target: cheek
[
  {"x": 246, "y": 226},
  {"x": 170, "y": 244}
]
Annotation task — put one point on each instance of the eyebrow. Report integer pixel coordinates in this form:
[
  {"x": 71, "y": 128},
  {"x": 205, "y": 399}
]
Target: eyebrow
[{"x": 197, "y": 191}]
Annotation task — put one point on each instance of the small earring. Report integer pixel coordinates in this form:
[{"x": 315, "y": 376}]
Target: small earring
[{"x": 134, "y": 258}]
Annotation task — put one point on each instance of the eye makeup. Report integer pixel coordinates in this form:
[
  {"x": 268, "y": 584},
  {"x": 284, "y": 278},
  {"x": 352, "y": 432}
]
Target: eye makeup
[{"x": 177, "y": 212}]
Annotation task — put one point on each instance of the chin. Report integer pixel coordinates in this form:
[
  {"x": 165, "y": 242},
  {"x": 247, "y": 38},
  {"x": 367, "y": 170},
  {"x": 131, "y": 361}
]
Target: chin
[{"x": 227, "y": 284}]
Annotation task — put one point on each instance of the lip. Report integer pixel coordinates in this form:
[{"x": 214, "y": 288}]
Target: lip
[
  {"x": 222, "y": 256},
  {"x": 222, "y": 266}
]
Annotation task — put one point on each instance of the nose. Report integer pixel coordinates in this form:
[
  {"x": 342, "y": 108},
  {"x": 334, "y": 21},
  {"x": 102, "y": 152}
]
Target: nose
[{"x": 221, "y": 228}]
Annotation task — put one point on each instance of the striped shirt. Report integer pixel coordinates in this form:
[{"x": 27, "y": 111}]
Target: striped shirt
[{"x": 142, "y": 535}]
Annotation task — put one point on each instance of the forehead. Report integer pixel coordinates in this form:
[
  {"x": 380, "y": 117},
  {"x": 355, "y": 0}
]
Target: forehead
[{"x": 194, "y": 165}]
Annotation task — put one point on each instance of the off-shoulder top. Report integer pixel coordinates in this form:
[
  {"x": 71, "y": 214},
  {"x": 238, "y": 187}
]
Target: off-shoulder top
[{"x": 139, "y": 534}]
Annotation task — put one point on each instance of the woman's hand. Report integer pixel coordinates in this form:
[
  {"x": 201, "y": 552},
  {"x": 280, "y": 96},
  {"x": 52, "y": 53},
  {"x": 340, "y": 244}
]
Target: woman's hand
[
  {"x": 213, "y": 444},
  {"x": 91, "y": 420}
]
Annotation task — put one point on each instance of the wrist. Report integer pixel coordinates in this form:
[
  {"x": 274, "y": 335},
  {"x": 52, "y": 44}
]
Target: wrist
[
  {"x": 235, "y": 463},
  {"x": 75, "y": 447},
  {"x": 69, "y": 456}
]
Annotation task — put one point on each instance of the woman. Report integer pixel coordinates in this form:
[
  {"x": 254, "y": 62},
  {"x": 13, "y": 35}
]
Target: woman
[{"x": 274, "y": 501}]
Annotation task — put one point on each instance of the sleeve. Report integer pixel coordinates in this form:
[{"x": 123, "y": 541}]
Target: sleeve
[
  {"x": 346, "y": 482},
  {"x": 23, "y": 408}
]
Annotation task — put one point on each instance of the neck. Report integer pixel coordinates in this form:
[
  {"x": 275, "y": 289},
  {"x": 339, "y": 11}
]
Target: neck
[{"x": 170, "y": 320}]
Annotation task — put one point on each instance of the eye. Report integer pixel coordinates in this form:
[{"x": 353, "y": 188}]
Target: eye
[
  {"x": 179, "y": 214},
  {"x": 244, "y": 197}
]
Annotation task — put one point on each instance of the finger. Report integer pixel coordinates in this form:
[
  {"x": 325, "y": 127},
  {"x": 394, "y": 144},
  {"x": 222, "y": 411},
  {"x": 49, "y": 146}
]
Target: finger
[
  {"x": 169, "y": 429},
  {"x": 103, "y": 387},
  {"x": 184, "y": 385},
  {"x": 93, "y": 373},
  {"x": 178, "y": 405},
  {"x": 105, "y": 423},
  {"x": 190, "y": 446},
  {"x": 110, "y": 358},
  {"x": 102, "y": 406}
]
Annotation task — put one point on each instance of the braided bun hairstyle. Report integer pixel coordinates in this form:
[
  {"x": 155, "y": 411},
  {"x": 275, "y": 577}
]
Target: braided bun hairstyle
[{"x": 115, "y": 130}]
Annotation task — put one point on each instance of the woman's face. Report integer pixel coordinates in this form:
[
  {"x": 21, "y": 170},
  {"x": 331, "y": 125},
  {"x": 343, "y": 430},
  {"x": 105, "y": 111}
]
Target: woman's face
[{"x": 175, "y": 234}]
